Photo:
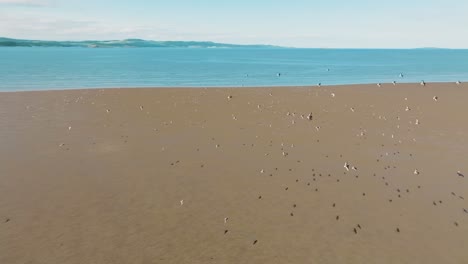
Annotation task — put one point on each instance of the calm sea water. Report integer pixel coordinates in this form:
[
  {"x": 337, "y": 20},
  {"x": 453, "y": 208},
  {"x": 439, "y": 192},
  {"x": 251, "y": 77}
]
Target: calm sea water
[{"x": 62, "y": 68}]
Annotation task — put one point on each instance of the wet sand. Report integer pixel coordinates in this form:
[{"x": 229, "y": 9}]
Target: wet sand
[{"x": 235, "y": 175}]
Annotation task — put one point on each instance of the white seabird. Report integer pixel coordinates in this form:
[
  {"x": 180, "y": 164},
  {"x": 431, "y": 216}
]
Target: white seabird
[{"x": 346, "y": 166}]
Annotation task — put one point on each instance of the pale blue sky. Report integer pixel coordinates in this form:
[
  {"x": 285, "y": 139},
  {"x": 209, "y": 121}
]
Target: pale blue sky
[{"x": 297, "y": 23}]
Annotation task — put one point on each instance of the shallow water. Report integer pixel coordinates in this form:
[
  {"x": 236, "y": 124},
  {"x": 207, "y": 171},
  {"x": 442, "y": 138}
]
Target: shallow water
[{"x": 61, "y": 68}]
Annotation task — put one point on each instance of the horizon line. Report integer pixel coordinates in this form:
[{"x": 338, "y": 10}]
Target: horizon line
[{"x": 234, "y": 44}]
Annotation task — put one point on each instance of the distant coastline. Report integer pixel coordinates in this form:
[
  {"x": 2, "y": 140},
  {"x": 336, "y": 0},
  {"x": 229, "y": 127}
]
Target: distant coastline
[{"x": 126, "y": 43}]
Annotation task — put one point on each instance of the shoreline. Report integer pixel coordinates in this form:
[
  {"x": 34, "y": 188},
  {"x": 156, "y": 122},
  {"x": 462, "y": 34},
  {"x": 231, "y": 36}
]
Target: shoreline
[{"x": 237, "y": 87}]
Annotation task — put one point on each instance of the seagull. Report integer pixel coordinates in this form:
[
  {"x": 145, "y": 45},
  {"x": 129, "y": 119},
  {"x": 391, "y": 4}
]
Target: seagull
[
  {"x": 346, "y": 166},
  {"x": 379, "y": 84},
  {"x": 423, "y": 83},
  {"x": 332, "y": 94},
  {"x": 229, "y": 97},
  {"x": 108, "y": 110},
  {"x": 401, "y": 75},
  {"x": 226, "y": 219},
  {"x": 354, "y": 168},
  {"x": 319, "y": 84},
  {"x": 181, "y": 202},
  {"x": 416, "y": 172},
  {"x": 460, "y": 174},
  {"x": 394, "y": 83},
  {"x": 407, "y": 109},
  {"x": 417, "y": 122},
  {"x": 309, "y": 117},
  {"x": 278, "y": 74},
  {"x": 458, "y": 82},
  {"x": 69, "y": 128},
  {"x": 435, "y": 98},
  {"x": 141, "y": 107}
]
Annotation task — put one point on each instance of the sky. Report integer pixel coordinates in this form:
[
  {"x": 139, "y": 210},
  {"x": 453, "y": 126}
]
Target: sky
[{"x": 291, "y": 23}]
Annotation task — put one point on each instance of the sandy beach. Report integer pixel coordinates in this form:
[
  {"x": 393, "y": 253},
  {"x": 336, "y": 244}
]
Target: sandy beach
[{"x": 336, "y": 174}]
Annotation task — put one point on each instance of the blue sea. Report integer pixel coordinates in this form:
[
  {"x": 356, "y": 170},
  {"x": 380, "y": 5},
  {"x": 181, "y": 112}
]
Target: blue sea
[{"x": 65, "y": 68}]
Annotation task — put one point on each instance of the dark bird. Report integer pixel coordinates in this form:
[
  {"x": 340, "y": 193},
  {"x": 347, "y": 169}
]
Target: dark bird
[
  {"x": 225, "y": 231},
  {"x": 337, "y": 217},
  {"x": 460, "y": 174},
  {"x": 355, "y": 231},
  {"x": 255, "y": 242}
]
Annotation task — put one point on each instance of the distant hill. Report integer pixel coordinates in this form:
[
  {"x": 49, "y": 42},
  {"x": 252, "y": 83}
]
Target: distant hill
[{"x": 126, "y": 43}]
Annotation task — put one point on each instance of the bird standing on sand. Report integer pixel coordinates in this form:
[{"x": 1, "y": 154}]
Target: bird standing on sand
[
  {"x": 394, "y": 83},
  {"x": 379, "y": 84},
  {"x": 460, "y": 174},
  {"x": 458, "y": 82},
  {"x": 319, "y": 84},
  {"x": 181, "y": 202},
  {"x": 346, "y": 166},
  {"x": 423, "y": 83},
  {"x": 309, "y": 117}
]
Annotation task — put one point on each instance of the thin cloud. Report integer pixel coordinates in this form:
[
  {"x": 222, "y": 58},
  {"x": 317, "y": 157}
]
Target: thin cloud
[{"x": 31, "y": 3}]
